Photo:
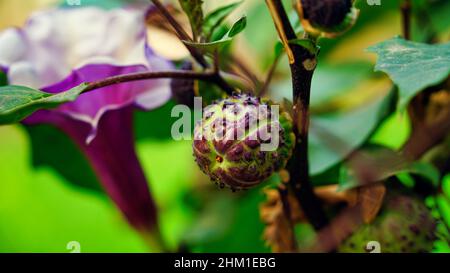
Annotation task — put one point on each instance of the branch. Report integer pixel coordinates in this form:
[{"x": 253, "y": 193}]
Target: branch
[
  {"x": 302, "y": 64},
  {"x": 181, "y": 33},
  {"x": 265, "y": 88},
  {"x": 342, "y": 226},
  {"x": 196, "y": 54},
  {"x": 426, "y": 135},
  {"x": 205, "y": 76},
  {"x": 283, "y": 191},
  {"x": 241, "y": 67},
  {"x": 406, "y": 18}
]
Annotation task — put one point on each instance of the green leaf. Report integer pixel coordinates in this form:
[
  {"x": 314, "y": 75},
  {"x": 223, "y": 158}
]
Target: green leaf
[
  {"x": 230, "y": 235},
  {"x": 278, "y": 50},
  {"x": 340, "y": 79},
  {"x": 333, "y": 136},
  {"x": 412, "y": 66},
  {"x": 213, "y": 222},
  {"x": 439, "y": 15},
  {"x": 18, "y": 102},
  {"x": 161, "y": 116},
  {"x": 104, "y": 4},
  {"x": 431, "y": 21},
  {"x": 393, "y": 132},
  {"x": 209, "y": 92},
  {"x": 216, "y": 17},
  {"x": 43, "y": 213},
  {"x": 3, "y": 79},
  {"x": 238, "y": 27},
  {"x": 176, "y": 214},
  {"x": 74, "y": 168},
  {"x": 219, "y": 33},
  {"x": 346, "y": 109},
  {"x": 385, "y": 163},
  {"x": 260, "y": 35},
  {"x": 307, "y": 44},
  {"x": 194, "y": 11},
  {"x": 210, "y": 47},
  {"x": 443, "y": 202}
]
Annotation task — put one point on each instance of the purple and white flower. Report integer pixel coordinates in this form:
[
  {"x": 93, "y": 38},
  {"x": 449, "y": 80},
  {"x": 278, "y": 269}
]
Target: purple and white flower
[{"x": 60, "y": 48}]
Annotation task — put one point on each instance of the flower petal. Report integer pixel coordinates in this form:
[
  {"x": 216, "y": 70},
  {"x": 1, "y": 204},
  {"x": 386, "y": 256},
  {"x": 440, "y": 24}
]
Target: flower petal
[
  {"x": 12, "y": 46},
  {"x": 90, "y": 107},
  {"x": 64, "y": 48},
  {"x": 112, "y": 155},
  {"x": 56, "y": 41}
]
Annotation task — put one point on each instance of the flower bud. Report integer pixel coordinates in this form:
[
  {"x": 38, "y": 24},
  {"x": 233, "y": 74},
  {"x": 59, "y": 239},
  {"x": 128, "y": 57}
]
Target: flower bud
[{"x": 327, "y": 18}]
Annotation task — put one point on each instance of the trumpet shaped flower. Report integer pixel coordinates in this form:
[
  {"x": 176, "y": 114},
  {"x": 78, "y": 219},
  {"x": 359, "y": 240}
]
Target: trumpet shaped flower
[{"x": 59, "y": 49}]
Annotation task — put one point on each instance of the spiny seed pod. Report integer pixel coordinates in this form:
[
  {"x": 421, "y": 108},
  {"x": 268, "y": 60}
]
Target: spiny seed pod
[
  {"x": 404, "y": 226},
  {"x": 231, "y": 142},
  {"x": 183, "y": 90},
  {"x": 327, "y": 18}
]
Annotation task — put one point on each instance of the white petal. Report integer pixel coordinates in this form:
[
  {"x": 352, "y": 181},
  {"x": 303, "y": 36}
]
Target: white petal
[
  {"x": 156, "y": 97},
  {"x": 56, "y": 41},
  {"x": 12, "y": 46},
  {"x": 23, "y": 73}
]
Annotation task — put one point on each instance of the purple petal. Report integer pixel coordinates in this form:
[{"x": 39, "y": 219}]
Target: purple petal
[
  {"x": 113, "y": 158},
  {"x": 90, "y": 107},
  {"x": 100, "y": 122},
  {"x": 3, "y": 69},
  {"x": 60, "y": 49}
]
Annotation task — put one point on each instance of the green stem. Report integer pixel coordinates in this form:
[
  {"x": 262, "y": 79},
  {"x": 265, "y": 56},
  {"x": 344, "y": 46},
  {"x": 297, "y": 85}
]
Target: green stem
[
  {"x": 181, "y": 33},
  {"x": 196, "y": 54}
]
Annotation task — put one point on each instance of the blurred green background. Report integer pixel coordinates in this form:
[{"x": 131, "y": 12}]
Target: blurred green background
[{"x": 46, "y": 203}]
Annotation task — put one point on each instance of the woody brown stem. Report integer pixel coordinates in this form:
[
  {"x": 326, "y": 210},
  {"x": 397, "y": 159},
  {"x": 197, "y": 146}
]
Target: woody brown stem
[
  {"x": 302, "y": 64},
  {"x": 406, "y": 18},
  {"x": 206, "y": 76}
]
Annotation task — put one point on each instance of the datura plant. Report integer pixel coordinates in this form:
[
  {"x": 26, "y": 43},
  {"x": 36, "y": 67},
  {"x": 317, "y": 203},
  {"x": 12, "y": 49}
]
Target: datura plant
[{"x": 278, "y": 119}]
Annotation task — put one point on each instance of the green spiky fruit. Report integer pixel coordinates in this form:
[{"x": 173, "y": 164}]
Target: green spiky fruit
[
  {"x": 404, "y": 226},
  {"x": 230, "y": 143}
]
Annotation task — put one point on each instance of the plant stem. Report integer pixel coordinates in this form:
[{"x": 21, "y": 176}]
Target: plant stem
[
  {"x": 425, "y": 133},
  {"x": 302, "y": 64},
  {"x": 196, "y": 54},
  {"x": 406, "y": 18},
  {"x": 181, "y": 33},
  {"x": 245, "y": 70},
  {"x": 265, "y": 88},
  {"x": 205, "y": 76},
  {"x": 287, "y": 211}
]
